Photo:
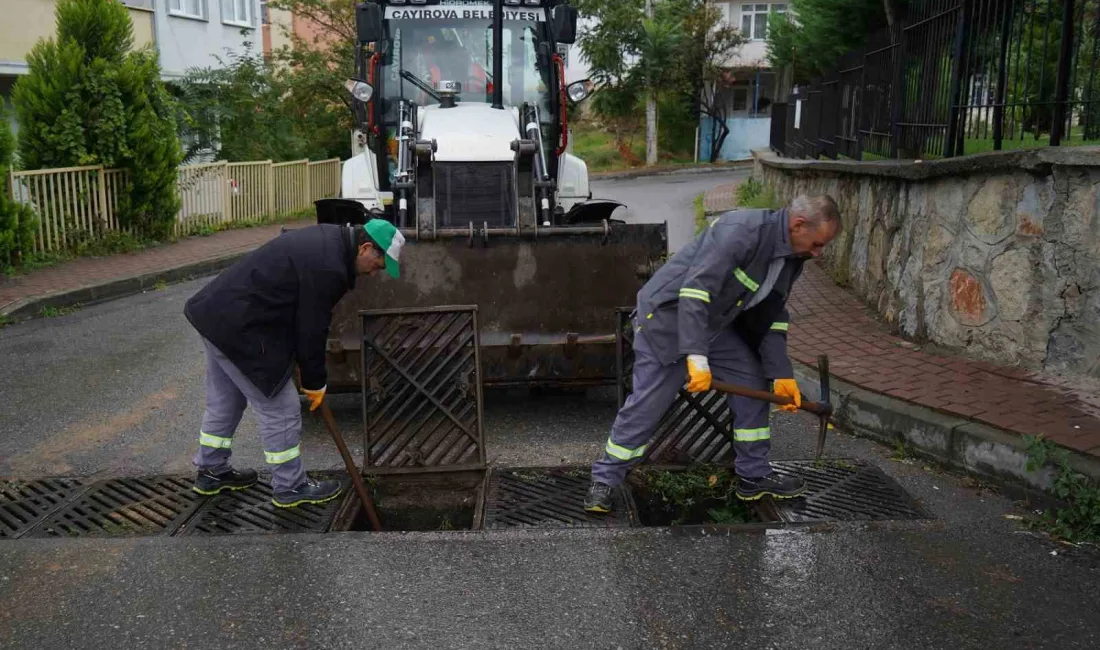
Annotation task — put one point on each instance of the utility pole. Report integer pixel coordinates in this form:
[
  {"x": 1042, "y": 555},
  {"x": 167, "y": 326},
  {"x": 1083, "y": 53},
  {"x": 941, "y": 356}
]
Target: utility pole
[{"x": 650, "y": 110}]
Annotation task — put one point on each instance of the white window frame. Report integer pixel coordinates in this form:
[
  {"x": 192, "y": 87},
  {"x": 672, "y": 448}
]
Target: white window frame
[
  {"x": 179, "y": 8},
  {"x": 752, "y": 10},
  {"x": 247, "y": 22}
]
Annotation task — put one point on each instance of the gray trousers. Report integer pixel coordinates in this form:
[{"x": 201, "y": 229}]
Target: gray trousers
[
  {"x": 655, "y": 389},
  {"x": 280, "y": 418}
]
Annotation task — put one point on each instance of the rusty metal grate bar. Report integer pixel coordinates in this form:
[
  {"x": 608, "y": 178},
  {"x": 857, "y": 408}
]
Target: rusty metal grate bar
[
  {"x": 251, "y": 511},
  {"x": 124, "y": 507},
  {"x": 422, "y": 379},
  {"x": 845, "y": 490},
  {"x": 695, "y": 429},
  {"x": 548, "y": 498},
  {"x": 23, "y": 504}
]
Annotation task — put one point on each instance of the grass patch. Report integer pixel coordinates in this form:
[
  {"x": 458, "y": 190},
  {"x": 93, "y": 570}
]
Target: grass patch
[
  {"x": 53, "y": 312},
  {"x": 754, "y": 194},
  {"x": 600, "y": 151},
  {"x": 1078, "y": 520},
  {"x": 6, "y": 320},
  {"x": 700, "y": 214}
]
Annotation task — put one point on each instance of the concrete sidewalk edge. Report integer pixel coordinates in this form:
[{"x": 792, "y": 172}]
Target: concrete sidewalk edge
[
  {"x": 950, "y": 440},
  {"x": 27, "y": 308},
  {"x": 630, "y": 174}
]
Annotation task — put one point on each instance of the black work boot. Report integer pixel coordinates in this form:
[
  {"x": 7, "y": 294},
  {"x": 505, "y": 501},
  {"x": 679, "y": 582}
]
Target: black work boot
[
  {"x": 310, "y": 491},
  {"x": 598, "y": 498},
  {"x": 208, "y": 484},
  {"x": 780, "y": 487}
]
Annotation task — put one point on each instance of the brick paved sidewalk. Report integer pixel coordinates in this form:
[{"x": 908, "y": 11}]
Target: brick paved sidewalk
[
  {"x": 826, "y": 319},
  {"x": 94, "y": 271},
  {"x": 722, "y": 198}
]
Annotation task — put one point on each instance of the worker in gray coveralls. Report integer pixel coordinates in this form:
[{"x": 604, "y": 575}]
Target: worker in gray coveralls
[{"x": 721, "y": 304}]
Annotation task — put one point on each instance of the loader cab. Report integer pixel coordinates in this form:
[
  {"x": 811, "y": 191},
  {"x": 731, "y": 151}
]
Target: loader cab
[{"x": 438, "y": 56}]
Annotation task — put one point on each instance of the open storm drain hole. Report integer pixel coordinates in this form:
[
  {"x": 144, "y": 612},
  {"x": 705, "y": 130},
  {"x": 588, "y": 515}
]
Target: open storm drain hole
[
  {"x": 25, "y": 503},
  {"x": 418, "y": 502},
  {"x": 548, "y": 498},
  {"x": 844, "y": 490},
  {"x": 251, "y": 511},
  {"x": 124, "y": 507},
  {"x": 698, "y": 494}
]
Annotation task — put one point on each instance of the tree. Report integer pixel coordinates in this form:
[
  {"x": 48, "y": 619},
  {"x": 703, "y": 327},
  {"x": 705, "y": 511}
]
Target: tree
[
  {"x": 236, "y": 111},
  {"x": 17, "y": 222},
  {"x": 90, "y": 99},
  {"x": 814, "y": 34},
  {"x": 708, "y": 46},
  {"x": 670, "y": 54}
]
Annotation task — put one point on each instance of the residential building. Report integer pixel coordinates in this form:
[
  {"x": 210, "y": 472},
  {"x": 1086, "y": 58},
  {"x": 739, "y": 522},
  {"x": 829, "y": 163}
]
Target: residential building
[
  {"x": 185, "y": 33},
  {"x": 277, "y": 25},
  {"x": 751, "y": 86}
]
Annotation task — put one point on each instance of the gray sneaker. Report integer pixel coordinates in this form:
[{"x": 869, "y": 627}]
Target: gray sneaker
[
  {"x": 310, "y": 491},
  {"x": 598, "y": 498},
  {"x": 208, "y": 484},
  {"x": 780, "y": 487}
]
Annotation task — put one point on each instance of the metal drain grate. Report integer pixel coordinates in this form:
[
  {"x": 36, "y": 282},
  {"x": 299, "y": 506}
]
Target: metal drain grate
[
  {"x": 123, "y": 507},
  {"x": 548, "y": 498},
  {"x": 839, "y": 490},
  {"x": 422, "y": 379},
  {"x": 250, "y": 511},
  {"x": 25, "y": 503}
]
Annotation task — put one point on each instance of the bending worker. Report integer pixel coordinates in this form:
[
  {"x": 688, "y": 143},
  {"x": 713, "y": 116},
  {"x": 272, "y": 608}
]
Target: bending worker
[
  {"x": 719, "y": 305},
  {"x": 261, "y": 317}
]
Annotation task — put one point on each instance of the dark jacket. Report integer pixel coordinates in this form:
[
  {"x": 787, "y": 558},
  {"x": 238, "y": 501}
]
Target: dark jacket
[
  {"x": 706, "y": 286},
  {"x": 273, "y": 308}
]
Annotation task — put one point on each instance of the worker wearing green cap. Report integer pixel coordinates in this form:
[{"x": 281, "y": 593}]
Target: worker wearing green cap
[{"x": 259, "y": 319}]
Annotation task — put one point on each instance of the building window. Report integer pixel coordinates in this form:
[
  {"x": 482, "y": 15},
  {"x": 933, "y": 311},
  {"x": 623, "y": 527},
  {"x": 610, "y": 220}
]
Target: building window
[
  {"x": 754, "y": 19},
  {"x": 189, "y": 8},
  {"x": 237, "y": 12},
  {"x": 740, "y": 99},
  {"x": 265, "y": 13}
]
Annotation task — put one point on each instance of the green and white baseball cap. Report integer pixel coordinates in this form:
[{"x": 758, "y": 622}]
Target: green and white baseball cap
[{"x": 388, "y": 239}]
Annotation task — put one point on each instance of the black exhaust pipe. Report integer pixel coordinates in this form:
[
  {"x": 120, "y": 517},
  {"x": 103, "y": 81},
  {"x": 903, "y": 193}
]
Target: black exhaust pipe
[{"x": 498, "y": 54}]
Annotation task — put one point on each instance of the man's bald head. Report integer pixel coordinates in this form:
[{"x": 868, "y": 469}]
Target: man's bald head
[
  {"x": 813, "y": 222},
  {"x": 818, "y": 210}
]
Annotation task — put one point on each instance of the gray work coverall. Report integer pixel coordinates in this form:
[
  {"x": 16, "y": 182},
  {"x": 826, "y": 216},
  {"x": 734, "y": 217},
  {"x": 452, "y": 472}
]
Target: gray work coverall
[{"x": 724, "y": 296}]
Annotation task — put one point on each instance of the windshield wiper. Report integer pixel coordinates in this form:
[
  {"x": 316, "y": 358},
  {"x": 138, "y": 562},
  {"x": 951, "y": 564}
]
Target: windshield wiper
[{"x": 420, "y": 83}]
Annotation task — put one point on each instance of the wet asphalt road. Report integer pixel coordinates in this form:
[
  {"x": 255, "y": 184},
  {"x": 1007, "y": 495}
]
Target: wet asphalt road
[{"x": 116, "y": 389}]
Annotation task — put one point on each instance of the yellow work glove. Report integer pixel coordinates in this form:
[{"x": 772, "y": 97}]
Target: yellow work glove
[
  {"x": 315, "y": 396},
  {"x": 788, "y": 388},
  {"x": 698, "y": 373}
]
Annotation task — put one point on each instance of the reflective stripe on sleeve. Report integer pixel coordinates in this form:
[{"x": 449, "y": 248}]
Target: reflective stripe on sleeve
[
  {"x": 780, "y": 327},
  {"x": 746, "y": 280},
  {"x": 752, "y": 435},
  {"x": 697, "y": 294}
]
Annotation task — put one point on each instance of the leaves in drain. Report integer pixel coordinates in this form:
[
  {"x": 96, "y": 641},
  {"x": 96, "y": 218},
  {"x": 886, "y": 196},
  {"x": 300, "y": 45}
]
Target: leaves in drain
[{"x": 700, "y": 494}]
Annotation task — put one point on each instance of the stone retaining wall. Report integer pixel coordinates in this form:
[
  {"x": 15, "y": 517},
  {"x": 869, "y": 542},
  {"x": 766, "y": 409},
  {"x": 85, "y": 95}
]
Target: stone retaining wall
[{"x": 996, "y": 253}]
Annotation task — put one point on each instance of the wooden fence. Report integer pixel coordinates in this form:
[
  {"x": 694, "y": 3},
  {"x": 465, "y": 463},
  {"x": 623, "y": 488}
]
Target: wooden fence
[{"x": 77, "y": 203}]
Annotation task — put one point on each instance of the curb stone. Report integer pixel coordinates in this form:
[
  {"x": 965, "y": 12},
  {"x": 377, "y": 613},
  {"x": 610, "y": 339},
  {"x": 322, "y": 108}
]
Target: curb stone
[
  {"x": 947, "y": 439},
  {"x": 687, "y": 171},
  {"x": 27, "y": 308}
]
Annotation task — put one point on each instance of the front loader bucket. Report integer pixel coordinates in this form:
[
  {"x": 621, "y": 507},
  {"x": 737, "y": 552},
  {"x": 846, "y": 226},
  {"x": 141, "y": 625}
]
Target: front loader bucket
[{"x": 546, "y": 303}]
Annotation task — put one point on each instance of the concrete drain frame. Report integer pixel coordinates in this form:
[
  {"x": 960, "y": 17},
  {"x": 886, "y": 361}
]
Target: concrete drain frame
[{"x": 496, "y": 498}]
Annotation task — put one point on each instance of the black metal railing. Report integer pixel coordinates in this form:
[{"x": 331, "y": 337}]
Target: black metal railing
[{"x": 955, "y": 77}]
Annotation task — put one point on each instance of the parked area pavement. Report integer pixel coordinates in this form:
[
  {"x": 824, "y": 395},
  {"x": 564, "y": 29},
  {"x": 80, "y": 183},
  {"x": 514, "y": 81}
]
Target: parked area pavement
[{"x": 116, "y": 389}]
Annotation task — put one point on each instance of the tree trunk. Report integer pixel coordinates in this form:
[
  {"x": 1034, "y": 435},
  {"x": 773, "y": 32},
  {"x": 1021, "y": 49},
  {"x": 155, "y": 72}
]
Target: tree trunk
[{"x": 650, "y": 111}]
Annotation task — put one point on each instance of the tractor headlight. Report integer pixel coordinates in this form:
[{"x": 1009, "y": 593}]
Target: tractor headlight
[{"x": 360, "y": 90}]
